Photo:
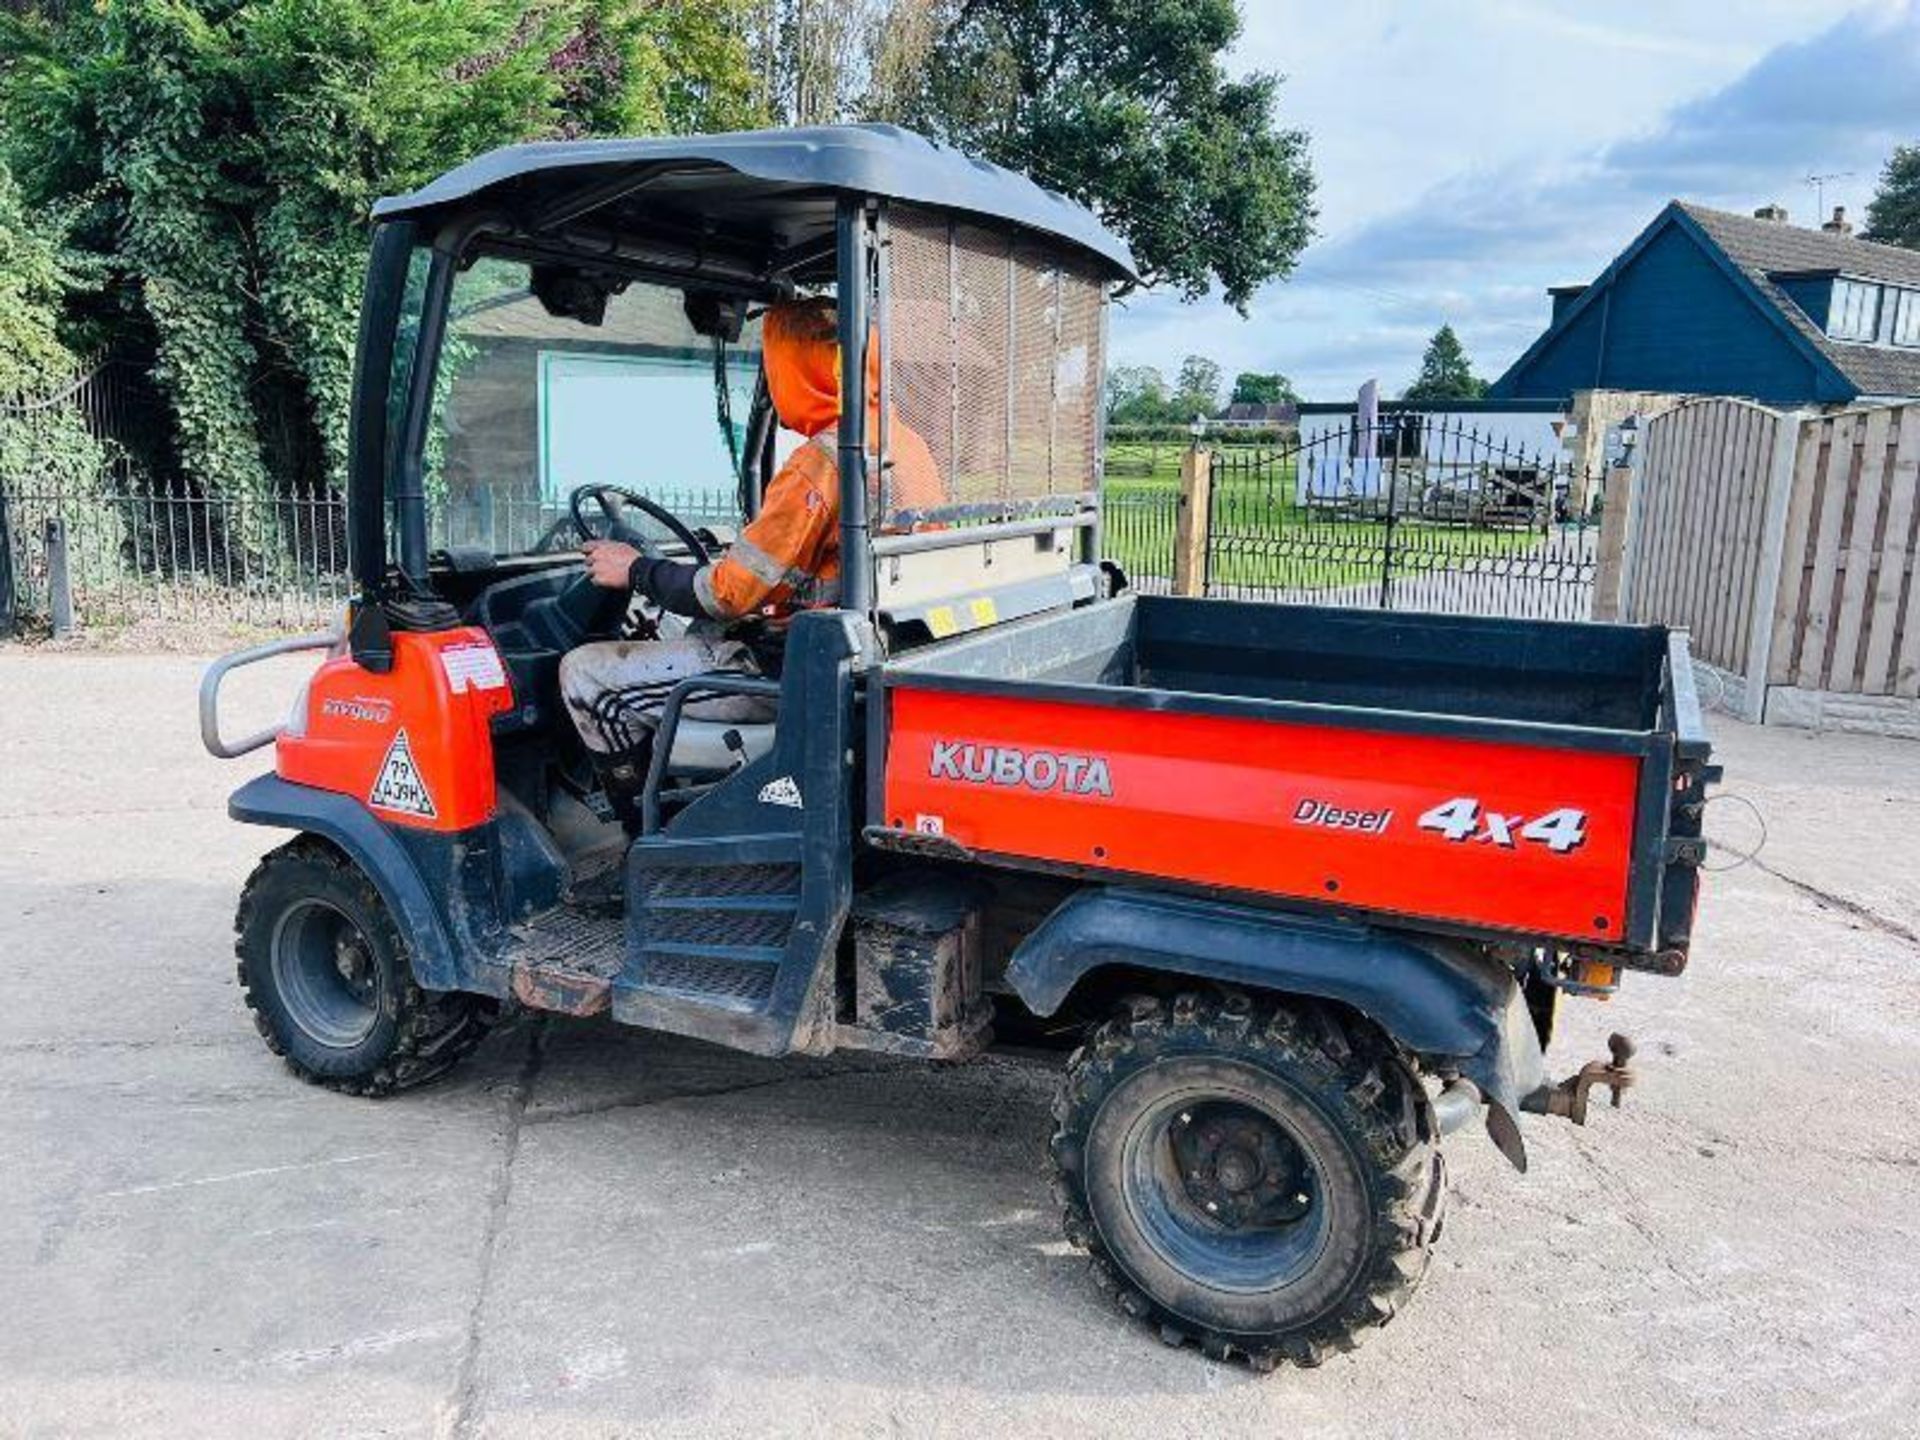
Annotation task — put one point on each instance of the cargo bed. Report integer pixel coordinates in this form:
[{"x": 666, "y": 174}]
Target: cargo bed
[{"x": 1511, "y": 778}]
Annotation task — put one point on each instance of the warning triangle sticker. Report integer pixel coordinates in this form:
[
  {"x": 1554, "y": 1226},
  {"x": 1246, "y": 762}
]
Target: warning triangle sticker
[{"x": 399, "y": 786}]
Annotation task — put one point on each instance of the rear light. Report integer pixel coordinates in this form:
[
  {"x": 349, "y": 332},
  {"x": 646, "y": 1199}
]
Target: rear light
[{"x": 1595, "y": 978}]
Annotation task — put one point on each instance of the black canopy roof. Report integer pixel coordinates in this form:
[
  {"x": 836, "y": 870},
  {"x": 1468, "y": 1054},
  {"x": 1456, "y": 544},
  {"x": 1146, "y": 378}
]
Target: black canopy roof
[{"x": 750, "y": 190}]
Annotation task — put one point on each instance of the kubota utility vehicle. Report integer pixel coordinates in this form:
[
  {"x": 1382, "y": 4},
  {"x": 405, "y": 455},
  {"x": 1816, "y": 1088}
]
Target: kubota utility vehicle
[{"x": 1290, "y": 893}]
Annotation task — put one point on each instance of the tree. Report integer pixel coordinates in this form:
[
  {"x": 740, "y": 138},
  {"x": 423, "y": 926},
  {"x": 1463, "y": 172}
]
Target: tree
[
  {"x": 38, "y": 276},
  {"x": 1445, "y": 372},
  {"x": 1121, "y": 104},
  {"x": 1251, "y": 387},
  {"x": 1136, "y": 395},
  {"x": 37, "y": 273},
  {"x": 222, "y": 158},
  {"x": 1197, "y": 391},
  {"x": 823, "y": 61},
  {"x": 1125, "y": 106},
  {"x": 1893, "y": 215}
]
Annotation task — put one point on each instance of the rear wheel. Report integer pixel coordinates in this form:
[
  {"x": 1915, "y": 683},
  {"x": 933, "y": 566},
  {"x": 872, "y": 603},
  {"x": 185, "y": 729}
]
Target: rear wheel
[
  {"x": 1263, "y": 1181},
  {"x": 328, "y": 978}
]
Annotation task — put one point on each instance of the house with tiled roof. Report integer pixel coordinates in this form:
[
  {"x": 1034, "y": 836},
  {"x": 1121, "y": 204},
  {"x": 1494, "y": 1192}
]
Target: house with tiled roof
[{"x": 1704, "y": 302}]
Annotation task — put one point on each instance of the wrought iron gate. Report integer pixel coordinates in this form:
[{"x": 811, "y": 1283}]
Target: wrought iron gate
[{"x": 1414, "y": 512}]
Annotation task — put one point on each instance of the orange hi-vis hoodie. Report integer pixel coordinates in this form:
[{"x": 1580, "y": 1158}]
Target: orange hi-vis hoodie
[{"x": 788, "y": 557}]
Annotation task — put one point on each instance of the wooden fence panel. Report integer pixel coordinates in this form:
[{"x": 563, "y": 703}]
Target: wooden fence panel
[
  {"x": 1859, "y": 553},
  {"x": 1733, "y": 506},
  {"x": 1819, "y": 584},
  {"x": 1848, "y": 615},
  {"x": 1740, "y": 589},
  {"x": 1816, "y": 440},
  {"x": 1902, "y": 630},
  {"x": 1662, "y": 490},
  {"x": 1833, "y": 488},
  {"x": 1893, "y": 554},
  {"x": 1698, "y": 544},
  {"x": 1719, "y": 498},
  {"x": 1698, "y": 524}
]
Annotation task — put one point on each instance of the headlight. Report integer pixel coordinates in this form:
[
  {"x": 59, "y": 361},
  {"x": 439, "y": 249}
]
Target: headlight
[{"x": 297, "y": 716}]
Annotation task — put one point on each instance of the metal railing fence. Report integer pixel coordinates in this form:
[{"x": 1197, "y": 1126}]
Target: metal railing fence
[
  {"x": 1416, "y": 513},
  {"x": 161, "y": 552}
]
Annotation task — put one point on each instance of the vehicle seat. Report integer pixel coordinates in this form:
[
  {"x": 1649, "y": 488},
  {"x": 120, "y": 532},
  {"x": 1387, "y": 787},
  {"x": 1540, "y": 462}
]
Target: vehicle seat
[{"x": 700, "y": 746}]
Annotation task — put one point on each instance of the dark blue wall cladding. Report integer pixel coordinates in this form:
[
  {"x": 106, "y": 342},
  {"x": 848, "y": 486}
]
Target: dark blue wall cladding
[
  {"x": 1812, "y": 294},
  {"x": 1672, "y": 318}
]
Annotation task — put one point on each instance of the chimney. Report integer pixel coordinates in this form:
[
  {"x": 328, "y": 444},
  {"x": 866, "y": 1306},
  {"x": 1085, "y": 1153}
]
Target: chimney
[
  {"x": 1839, "y": 224},
  {"x": 1776, "y": 213}
]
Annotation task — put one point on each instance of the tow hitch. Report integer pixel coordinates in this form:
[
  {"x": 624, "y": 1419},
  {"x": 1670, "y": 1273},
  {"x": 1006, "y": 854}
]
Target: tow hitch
[{"x": 1569, "y": 1097}]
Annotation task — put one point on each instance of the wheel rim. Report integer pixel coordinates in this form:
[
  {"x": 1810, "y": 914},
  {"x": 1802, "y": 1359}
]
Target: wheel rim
[
  {"x": 1225, "y": 1191},
  {"x": 324, "y": 971}
]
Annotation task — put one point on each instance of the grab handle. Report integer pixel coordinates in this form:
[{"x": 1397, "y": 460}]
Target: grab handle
[
  {"x": 718, "y": 683},
  {"x": 225, "y": 666}
]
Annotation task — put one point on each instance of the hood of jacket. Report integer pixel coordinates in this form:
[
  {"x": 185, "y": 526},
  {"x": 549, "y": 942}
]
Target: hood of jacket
[{"x": 801, "y": 353}]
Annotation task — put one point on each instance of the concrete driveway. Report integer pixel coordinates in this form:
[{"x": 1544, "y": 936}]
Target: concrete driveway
[{"x": 593, "y": 1232}]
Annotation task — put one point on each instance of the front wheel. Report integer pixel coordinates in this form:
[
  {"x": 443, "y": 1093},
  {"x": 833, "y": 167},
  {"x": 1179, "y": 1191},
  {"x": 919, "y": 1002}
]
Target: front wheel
[
  {"x": 327, "y": 976},
  {"x": 1263, "y": 1181}
]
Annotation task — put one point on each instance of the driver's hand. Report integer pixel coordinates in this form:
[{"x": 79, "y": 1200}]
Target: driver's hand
[{"x": 609, "y": 562}]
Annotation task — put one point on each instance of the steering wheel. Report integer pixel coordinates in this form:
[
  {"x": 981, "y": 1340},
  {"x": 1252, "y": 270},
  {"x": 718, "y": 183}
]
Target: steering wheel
[
  {"x": 612, "y": 500},
  {"x": 584, "y": 610}
]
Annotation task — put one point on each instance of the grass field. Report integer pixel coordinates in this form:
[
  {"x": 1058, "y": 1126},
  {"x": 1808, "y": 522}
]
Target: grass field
[{"x": 1261, "y": 538}]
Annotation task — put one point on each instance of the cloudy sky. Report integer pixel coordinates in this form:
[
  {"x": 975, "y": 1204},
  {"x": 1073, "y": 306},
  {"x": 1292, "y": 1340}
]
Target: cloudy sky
[{"x": 1472, "y": 152}]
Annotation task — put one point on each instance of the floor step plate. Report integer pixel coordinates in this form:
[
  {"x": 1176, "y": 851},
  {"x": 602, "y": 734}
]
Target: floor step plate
[{"x": 566, "y": 960}]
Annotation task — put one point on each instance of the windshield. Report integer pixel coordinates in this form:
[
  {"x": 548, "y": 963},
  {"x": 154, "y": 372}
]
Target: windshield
[{"x": 529, "y": 405}]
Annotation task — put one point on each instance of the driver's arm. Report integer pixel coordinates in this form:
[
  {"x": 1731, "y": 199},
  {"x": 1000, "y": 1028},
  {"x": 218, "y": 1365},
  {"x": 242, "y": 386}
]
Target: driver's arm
[
  {"x": 668, "y": 583},
  {"x": 777, "y": 554}
]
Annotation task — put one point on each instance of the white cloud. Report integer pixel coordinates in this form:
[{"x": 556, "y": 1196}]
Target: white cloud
[{"x": 1469, "y": 213}]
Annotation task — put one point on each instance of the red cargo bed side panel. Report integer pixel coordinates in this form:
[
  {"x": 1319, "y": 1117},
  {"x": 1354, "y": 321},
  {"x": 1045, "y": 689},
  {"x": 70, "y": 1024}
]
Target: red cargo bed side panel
[{"x": 1481, "y": 832}]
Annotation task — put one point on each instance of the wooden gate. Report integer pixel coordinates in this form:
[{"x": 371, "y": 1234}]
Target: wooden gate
[{"x": 1698, "y": 525}]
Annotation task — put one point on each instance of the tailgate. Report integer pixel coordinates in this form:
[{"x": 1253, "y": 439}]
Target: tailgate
[{"x": 1452, "y": 823}]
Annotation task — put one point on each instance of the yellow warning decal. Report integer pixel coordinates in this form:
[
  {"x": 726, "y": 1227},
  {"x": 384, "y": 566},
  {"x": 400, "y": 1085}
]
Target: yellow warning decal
[
  {"x": 941, "y": 622},
  {"x": 985, "y": 612}
]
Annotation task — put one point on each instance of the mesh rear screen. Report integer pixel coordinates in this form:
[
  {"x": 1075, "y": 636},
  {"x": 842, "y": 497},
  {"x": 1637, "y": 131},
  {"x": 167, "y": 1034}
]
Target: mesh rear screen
[{"x": 995, "y": 363}]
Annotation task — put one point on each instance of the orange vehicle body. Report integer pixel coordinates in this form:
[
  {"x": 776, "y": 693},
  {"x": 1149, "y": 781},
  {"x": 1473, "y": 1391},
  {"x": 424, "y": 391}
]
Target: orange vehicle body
[
  {"x": 1485, "y": 833},
  {"x": 413, "y": 744}
]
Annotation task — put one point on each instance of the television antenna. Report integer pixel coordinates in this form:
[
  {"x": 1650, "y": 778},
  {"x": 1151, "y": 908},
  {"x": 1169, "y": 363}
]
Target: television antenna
[{"x": 1819, "y": 184}]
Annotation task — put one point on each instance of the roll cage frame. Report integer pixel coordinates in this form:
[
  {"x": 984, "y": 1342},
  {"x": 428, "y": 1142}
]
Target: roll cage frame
[
  {"x": 386, "y": 462},
  {"x": 456, "y": 224}
]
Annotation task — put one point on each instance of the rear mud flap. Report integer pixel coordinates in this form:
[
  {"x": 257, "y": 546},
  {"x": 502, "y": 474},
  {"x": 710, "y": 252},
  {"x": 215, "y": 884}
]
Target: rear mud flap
[{"x": 1508, "y": 1069}]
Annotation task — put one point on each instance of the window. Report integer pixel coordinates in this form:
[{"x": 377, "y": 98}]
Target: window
[
  {"x": 530, "y": 404},
  {"x": 1854, "y": 313},
  {"x": 1906, "y": 317}
]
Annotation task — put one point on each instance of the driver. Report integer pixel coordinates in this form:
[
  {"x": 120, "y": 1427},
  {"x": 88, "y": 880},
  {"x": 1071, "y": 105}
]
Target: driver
[{"x": 787, "y": 559}]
